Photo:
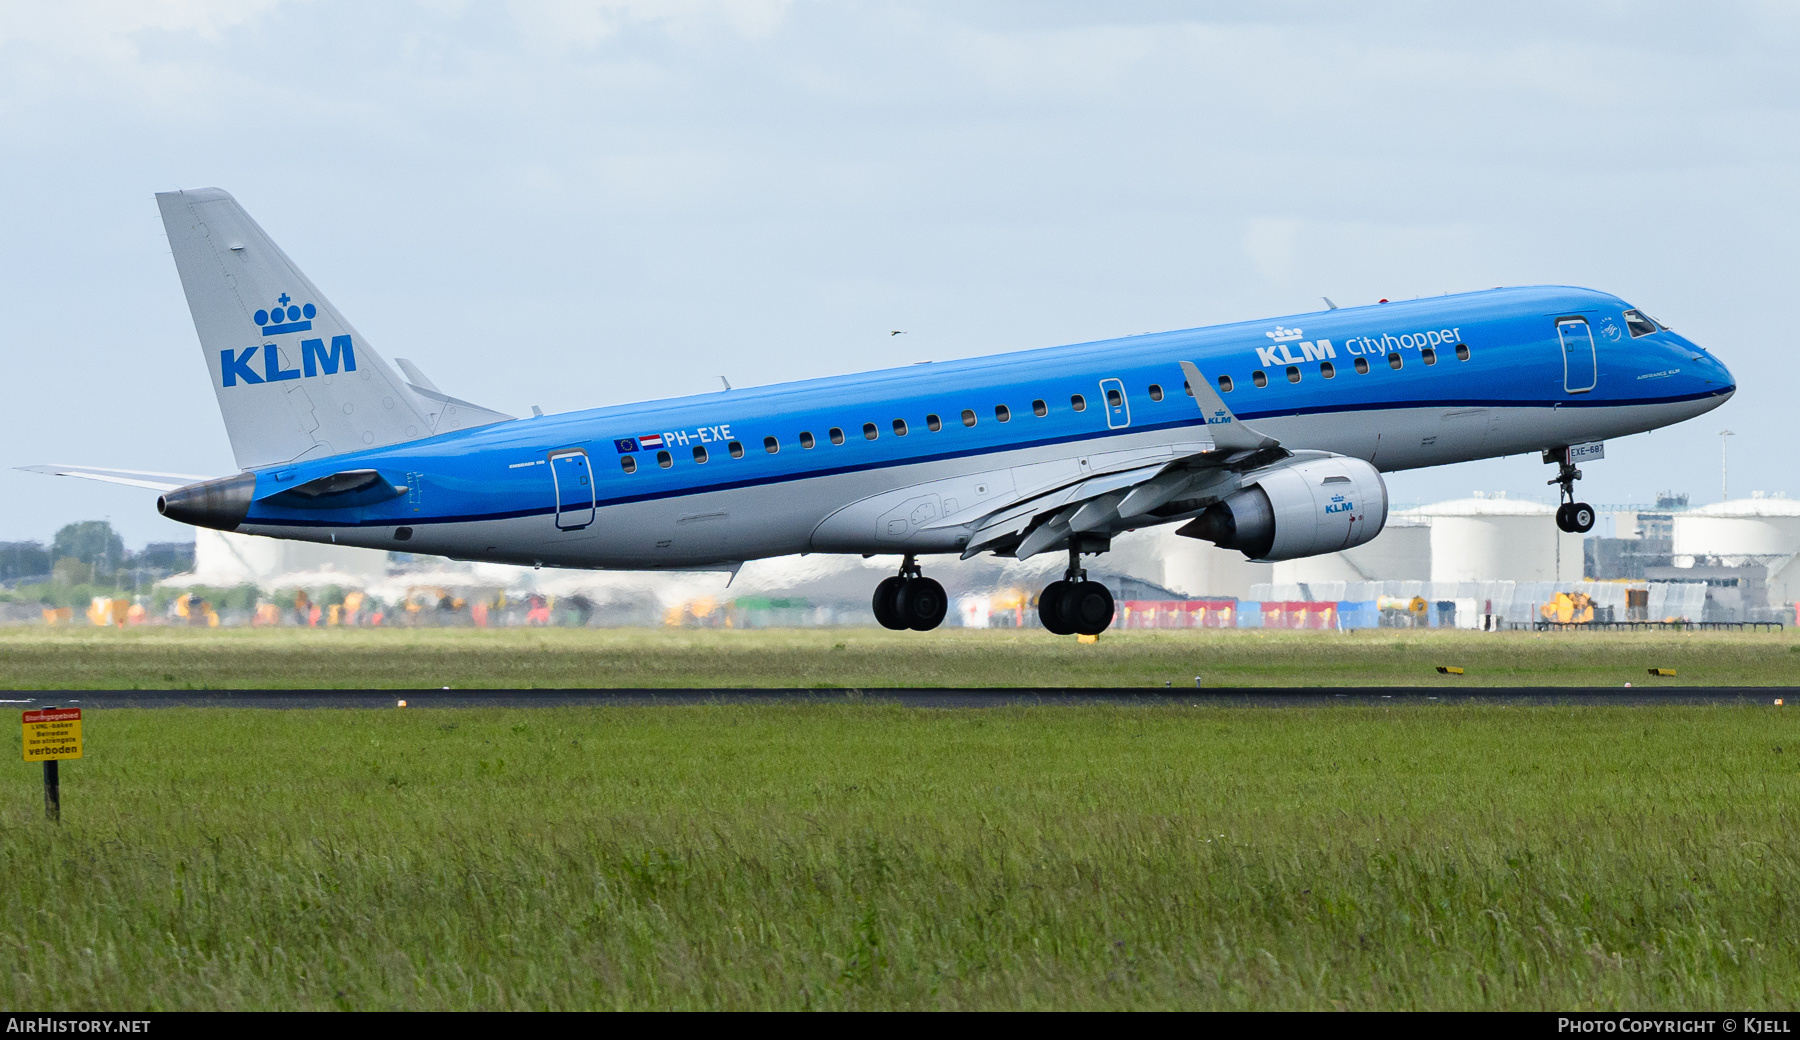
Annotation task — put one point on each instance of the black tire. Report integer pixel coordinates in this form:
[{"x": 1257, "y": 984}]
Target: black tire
[
  {"x": 1088, "y": 608},
  {"x": 1581, "y": 518},
  {"x": 886, "y": 611},
  {"x": 921, "y": 604},
  {"x": 1563, "y": 523},
  {"x": 1050, "y": 608}
]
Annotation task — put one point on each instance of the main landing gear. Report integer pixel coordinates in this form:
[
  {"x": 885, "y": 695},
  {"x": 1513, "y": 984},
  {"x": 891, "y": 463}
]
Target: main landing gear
[
  {"x": 1572, "y": 516},
  {"x": 910, "y": 600},
  {"x": 1075, "y": 604}
]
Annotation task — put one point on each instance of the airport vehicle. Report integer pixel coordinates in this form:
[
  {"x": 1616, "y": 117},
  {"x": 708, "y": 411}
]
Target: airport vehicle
[{"x": 1266, "y": 437}]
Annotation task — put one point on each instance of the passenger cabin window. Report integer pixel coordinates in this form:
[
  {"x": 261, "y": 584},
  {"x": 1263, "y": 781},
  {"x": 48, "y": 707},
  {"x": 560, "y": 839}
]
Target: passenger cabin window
[
  {"x": 968, "y": 416},
  {"x": 1259, "y": 378},
  {"x": 1189, "y": 387},
  {"x": 836, "y": 435},
  {"x": 1039, "y": 409},
  {"x": 899, "y": 427},
  {"x": 628, "y": 464},
  {"x": 1155, "y": 392},
  {"x": 664, "y": 459},
  {"x": 1002, "y": 413},
  {"x": 1328, "y": 370},
  {"x": 806, "y": 439},
  {"x": 1078, "y": 402},
  {"x": 1639, "y": 324},
  {"x": 1114, "y": 399},
  {"x": 1224, "y": 384},
  {"x": 1293, "y": 373},
  {"x": 933, "y": 423},
  {"x": 870, "y": 432},
  {"x": 1428, "y": 355},
  {"x": 771, "y": 445},
  {"x": 1362, "y": 366},
  {"x": 1394, "y": 361},
  {"x": 1462, "y": 352},
  {"x": 736, "y": 448},
  {"x": 699, "y": 454}
]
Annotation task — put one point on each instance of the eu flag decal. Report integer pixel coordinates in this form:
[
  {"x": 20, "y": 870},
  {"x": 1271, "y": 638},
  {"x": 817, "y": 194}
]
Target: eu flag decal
[{"x": 628, "y": 444}]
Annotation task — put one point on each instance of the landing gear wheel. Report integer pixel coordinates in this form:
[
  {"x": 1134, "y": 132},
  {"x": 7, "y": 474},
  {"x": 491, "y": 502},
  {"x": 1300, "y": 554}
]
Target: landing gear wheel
[
  {"x": 1581, "y": 517},
  {"x": 920, "y": 604},
  {"x": 1563, "y": 523},
  {"x": 1088, "y": 608},
  {"x": 1050, "y": 610},
  {"x": 887, "y": 612}
]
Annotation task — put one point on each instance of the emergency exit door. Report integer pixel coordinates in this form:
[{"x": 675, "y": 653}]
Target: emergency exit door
[
  {"x": 1580, "y": 368},
  {"x": 574, "y": 489},
  {"x": 1118, "y": 410}
]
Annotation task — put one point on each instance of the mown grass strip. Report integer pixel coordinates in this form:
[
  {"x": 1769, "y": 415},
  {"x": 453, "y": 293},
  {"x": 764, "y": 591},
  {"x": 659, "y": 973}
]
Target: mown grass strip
[{"x": 38, "y": 658}]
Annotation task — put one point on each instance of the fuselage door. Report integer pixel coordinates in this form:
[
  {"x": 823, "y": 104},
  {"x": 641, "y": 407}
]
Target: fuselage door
[
  {"x": 1118, "y": 410},
  {"x": 574, "y": 489},
  {"x": 1580, "y": 368}
]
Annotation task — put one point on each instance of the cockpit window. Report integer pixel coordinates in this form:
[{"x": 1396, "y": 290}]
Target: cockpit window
[{"x": 1639, "y": 323}]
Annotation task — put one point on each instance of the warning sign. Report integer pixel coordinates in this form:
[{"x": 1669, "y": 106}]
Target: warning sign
[{"x": 53, "y": 733}]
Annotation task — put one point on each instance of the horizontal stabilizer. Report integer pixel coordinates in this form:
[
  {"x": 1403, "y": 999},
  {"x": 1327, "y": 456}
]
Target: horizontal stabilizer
[
  {"x": 446, "y": 413},
  {"x": 130, "y": 477}
]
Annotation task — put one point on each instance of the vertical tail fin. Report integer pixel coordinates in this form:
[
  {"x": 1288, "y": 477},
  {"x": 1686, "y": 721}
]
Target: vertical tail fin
[{"x": 294, "y": 379}]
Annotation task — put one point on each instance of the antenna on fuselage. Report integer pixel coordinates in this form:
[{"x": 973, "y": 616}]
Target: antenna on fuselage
[
  {"x": 1328, "y": 304},
  {"x": 727, "y": 382}
]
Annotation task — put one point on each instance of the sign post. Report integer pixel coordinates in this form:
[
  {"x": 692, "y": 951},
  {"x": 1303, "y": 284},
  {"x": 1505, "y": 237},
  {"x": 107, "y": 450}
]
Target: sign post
[{"x": 51, "y": 735}]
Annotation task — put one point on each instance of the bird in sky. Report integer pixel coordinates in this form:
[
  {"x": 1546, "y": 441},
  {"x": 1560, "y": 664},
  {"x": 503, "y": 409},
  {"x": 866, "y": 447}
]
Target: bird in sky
[{"x": 898, "y": 332}]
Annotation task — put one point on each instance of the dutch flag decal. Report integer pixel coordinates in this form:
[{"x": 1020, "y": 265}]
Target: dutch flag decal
[{"x": 650, "y": 441}]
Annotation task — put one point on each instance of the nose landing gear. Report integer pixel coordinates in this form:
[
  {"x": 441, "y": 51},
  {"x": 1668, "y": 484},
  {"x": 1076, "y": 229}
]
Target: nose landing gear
[
  {"x": 910, "y": 600},
  {"x": 1075, "y": 604},
  {"x": 1572, "y": 516}
]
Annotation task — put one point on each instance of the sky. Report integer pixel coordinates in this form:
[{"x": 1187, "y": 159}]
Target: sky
[{"x": 577, "y": 204}]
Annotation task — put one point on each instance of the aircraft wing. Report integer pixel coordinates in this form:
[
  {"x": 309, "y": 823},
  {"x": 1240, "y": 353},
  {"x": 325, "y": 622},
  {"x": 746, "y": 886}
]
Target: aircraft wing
[
  {"x": 131, "y": 477},
  {"x": 1196, "y": 476}
]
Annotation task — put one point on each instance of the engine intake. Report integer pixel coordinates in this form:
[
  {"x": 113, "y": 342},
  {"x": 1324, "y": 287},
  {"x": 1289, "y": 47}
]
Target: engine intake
[{"x": 1302, "y": 509}]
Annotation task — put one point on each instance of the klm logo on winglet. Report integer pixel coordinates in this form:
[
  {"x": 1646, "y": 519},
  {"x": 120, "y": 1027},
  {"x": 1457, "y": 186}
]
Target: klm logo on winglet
[
  {"x": 315, "y": 357},
  {"x": 1221, "y": 417},
  {"x": 1339, "y": 505}
]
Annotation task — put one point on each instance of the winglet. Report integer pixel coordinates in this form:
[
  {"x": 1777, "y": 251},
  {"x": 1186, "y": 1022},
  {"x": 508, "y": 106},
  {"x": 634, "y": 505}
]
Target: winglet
[{"x": 1228, "y": 434}]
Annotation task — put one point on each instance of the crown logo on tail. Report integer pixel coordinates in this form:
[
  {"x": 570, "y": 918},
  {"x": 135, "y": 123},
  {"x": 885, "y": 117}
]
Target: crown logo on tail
[{"x": 286, "y": 317}]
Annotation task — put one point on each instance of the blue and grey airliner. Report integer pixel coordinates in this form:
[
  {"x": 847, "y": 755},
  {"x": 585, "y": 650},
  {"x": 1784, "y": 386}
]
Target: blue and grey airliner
[{"x": 1265, "y": 437}]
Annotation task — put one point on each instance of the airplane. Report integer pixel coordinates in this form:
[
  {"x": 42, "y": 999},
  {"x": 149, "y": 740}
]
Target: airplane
[{"x": 1265, "y": 437}]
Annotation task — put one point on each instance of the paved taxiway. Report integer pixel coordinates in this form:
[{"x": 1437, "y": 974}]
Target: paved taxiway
[{"x": 1259, "y": 697}]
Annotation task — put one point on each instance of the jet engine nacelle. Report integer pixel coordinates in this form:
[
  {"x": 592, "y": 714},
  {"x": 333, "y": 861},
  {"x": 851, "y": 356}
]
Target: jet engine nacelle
[{"x": 1301, "y": 509}]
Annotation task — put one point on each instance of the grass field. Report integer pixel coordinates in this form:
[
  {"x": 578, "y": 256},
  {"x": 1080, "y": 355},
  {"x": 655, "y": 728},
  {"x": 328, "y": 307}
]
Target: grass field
[
  {"x": 88, "y": 658},
  {"x": 873, "y": 856}
]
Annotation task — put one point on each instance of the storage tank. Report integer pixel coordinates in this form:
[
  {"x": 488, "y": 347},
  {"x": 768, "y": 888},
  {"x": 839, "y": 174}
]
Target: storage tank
[
  {"x": 1756, "y": 526},
  {"x": 224, "y": 558},
  {"x": 1401, "y": 552},
  {"x": 1203, "y": 570},
  {"x": 1493, "y": 538}
]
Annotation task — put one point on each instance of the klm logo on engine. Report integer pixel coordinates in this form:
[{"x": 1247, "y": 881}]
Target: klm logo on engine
[
  {"x": 1279, "y": 354},
  {"x": 1339, "y": 504},
  {"x": 283, "y": 318}
]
